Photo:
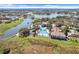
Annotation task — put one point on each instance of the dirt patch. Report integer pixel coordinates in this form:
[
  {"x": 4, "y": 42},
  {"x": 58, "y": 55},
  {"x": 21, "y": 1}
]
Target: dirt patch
[
  {"x": 42, "y": 43},
  {"x": 69, "y": 50},
  {"x": 38, "y": 49}
]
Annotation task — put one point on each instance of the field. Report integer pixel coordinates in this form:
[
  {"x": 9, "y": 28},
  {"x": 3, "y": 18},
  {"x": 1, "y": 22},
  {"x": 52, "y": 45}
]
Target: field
[{"x": 39, "y": 45}]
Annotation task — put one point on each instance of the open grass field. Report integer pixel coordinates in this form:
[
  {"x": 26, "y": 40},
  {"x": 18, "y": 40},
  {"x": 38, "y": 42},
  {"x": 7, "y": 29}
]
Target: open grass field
[
  {"x": 39, "y": 45},
  {"x": 5, "y": 26}
]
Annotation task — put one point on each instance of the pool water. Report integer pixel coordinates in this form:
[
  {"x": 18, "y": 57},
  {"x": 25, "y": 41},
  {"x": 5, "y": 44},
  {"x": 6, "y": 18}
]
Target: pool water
[{"x": 43, "y": 31}]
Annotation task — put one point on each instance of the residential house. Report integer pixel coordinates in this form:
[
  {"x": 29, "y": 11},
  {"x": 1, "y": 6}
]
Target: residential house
[
  {"x": 12, "y": 17},
  {"x": 73, "y": 33},
  {"x": 5, "y": 20},
  {"x": 57, "y": 33}
]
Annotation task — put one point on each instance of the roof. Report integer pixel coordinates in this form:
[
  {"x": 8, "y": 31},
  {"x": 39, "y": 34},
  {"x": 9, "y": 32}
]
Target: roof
[
  {"x": 4, "y": 18},
  {"x": 57, "y": 32}
]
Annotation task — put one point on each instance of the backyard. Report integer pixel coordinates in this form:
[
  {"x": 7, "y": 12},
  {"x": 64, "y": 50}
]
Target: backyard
[{"x": 39, "y": 44}]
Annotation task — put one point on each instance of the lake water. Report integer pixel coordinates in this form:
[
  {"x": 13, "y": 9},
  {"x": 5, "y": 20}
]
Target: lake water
[
  {"x": 53, "y": 15},
  {"x": 10, "y": 32}
]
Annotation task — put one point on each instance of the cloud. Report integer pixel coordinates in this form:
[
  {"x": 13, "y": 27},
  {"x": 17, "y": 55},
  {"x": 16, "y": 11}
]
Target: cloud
[{"x": 38, "y": 6}]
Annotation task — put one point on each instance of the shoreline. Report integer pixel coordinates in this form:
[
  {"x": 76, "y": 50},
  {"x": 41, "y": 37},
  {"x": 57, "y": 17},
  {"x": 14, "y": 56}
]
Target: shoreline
[{"x": 17, "y": 22}]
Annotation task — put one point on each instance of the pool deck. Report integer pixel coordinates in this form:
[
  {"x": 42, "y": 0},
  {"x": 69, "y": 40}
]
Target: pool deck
[{"x": 43, "y": 31}]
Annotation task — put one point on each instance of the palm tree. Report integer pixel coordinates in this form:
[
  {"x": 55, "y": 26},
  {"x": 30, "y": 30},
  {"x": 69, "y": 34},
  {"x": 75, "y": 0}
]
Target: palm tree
[{"x": 66, "y": 30}]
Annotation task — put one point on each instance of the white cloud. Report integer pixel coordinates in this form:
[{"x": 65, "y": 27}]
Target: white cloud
[{"x": 36, "y": 6}]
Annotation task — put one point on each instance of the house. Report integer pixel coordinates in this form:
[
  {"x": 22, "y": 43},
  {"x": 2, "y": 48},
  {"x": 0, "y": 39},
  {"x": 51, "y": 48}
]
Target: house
[
  {"x": 53, "y": 25},
  {"x": 76, "y": 17},
  {"x": 73, "y": 33},
  {"x": 57, "y": 33},
  {"x": 5, "y": 20},
  {"x": 12, "y": 17},
  {"x": 44, "y": 24},
  {"x": 17, "y": 34}
]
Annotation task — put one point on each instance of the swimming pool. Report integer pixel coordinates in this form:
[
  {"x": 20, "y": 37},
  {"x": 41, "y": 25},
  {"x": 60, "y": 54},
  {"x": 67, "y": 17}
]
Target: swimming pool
[{"x": 43, "y": 31}]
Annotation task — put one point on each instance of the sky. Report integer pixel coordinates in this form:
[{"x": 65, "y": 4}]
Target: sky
[{"x": 59, "y": 6}]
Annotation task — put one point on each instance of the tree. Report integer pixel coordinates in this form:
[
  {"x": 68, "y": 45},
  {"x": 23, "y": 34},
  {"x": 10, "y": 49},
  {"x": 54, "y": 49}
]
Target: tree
[
  {"x": 49, "y": 26},
  {"x": 34, "y": 32},
  {"x": 66, "y": 30},
  {"x": 59, "y": 24},
  {"x": 35, "y": 28},
  {"x": 77, "y": 29},
  {"x": 24, "y": 32},
  {"x": 0, "y": 22},
  {"x": 36, "y": 21},
  {"x": 45, "y": 19},
  {"x": 6, "y": 51}
]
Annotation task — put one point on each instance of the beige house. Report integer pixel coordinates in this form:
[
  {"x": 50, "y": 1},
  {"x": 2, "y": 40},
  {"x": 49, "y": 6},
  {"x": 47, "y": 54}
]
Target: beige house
[{"x": 57, "y": 33}]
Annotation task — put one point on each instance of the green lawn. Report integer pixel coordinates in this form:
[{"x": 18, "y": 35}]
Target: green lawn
[
  {"x": 39, "y": 43},
  {"x": 5, "y": 26}
]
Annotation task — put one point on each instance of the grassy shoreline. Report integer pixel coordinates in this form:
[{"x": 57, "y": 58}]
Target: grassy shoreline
[{"x": 4, "y": 26}]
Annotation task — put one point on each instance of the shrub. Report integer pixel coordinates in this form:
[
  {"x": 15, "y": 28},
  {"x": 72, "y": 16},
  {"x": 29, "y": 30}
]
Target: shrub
[
  {"x": 6, "y": 51},
  {"x": 8, "y": 22},
  {"x": 73, "y": 39},
  {"x": 36, "y": 21},
  {"x": 24, "y": 32},
  {"x": 0, "y": 22}
]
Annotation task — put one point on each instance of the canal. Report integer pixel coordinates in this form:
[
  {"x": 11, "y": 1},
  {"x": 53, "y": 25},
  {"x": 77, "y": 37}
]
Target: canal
[{"x": 12, "y": 31}]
